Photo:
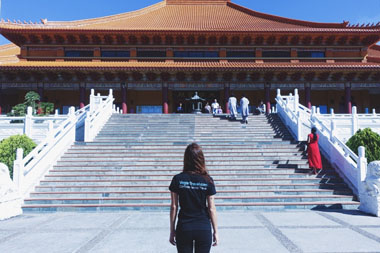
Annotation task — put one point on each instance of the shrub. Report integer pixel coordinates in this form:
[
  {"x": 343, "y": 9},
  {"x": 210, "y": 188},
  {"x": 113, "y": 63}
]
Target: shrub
[
  {"x": 47, "y": 108},
  {"x": 9, "y": 146},
  {"x": 368, "y": 139},
  {"x": 18, "y": 110}
]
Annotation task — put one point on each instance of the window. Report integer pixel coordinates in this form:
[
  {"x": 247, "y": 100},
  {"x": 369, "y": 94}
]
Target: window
[
  {"x": 275, "y": 54},
  {"x": 311, "y": 54},
  {"x": 196, "y": 54},
  {"x": 240, "y": 54},
  {"x": 115, "y": 54},
  {"x": 151, "y": 54},
  {"x": 79, "y": 53}
]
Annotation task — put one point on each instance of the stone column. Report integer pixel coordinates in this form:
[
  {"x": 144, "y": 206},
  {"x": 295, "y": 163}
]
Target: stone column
[
  {"x": 82, "y": 95},
  {"x": 267, "y": 97},
  {"x": 226, "y": 97},
  {"x": 165, "y": 102},
  {"x": 308, "y": 95},
  {"x": 124, "y": 106},
  {"x": 348, "y": 104}
]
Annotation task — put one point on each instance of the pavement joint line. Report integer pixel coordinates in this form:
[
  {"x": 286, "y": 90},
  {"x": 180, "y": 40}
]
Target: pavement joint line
[
  {"x": 352, "y": 227},
  {"x": 283, "y": 239},
  {"x": 87, "y": 247},
  {"x": 308, "y": 227},
  {"x": 24, "y": 230}
]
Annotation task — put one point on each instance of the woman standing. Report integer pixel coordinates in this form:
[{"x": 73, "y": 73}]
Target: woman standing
[
  {"x": 192, "y": 189},
  {"x": 313, "y": 154}
]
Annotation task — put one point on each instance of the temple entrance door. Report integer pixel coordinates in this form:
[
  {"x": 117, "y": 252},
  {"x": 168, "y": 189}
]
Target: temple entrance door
[{"x": 181, "y": 96}]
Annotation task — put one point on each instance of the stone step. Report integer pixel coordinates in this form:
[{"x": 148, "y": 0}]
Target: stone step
[
  {"x": 211, "y": 167},
  {"x": 164, "y": 187},
  {"x": 179, "y": 154},
  {"x": 258, "y": 206},
  {"x": 133, "y": 171},
  {"x": 166, "y": 199},
  {"x": 170, "y": 159},
  {"x": 236, "y": 193},
  {"x": 247, "y": 180},
  {"x": 154, "y": 176}
]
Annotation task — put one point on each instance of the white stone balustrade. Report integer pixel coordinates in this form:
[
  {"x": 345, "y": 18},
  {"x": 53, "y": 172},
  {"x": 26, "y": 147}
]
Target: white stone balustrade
[
  {"x": 334, "y": 130},
  {"x": 35, "y": 127},
  {"x": 101, "y": 109}
]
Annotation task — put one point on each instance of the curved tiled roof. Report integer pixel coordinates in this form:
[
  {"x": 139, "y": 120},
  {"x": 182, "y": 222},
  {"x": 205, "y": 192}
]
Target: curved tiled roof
[
  {"x": 374, "y": 54},
  {"x": 187, "y": 65},
  {"x": 8, "y": 53},
  {"x": 191, "y": 15}
]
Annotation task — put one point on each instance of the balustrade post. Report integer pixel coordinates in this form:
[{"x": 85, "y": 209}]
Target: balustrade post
[
  {"x": 374, "y": 112},
  {"x": 299, "y": 126},
  {"x": 362, "y": 167},
  {"x": 110, "y": 96},
  {"x": 313, "y": 111},
  {"x": 18, "y": 169},
  {"x": 92, "y": 100},
  {"x": 354, "y": 127},
  {"x": 56, "y": 113},
  {"x": 332, "y": 112},
  {"x": 28, "y": 122},
  {"x": 296, "y": 100},
  {"x": 332, "y": 132}
]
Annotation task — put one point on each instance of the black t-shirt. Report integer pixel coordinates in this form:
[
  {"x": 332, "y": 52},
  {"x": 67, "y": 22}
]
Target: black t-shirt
[{"x": 192, "y": 190}]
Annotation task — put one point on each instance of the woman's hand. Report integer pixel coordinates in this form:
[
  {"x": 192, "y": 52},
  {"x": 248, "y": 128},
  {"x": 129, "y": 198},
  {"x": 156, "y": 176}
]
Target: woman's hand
[
  {"x": 172, "y": 238},
  {"x": 215, "y": 239}
]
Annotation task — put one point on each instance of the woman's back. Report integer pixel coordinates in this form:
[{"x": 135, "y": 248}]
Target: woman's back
[{"x": 192, "y": 190}]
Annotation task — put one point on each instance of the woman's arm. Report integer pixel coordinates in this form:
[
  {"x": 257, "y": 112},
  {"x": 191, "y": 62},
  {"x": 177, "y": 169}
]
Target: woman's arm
[
  {"x": 214, "y": 220},
  {"x": 173, "y": 217}
]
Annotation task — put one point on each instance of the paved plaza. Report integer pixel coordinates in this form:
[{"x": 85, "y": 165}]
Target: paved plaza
[{"x": 301, "y": 231}]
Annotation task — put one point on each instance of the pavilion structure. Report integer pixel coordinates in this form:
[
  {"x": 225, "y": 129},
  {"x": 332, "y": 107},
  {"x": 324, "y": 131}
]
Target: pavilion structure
[{"x": 158, "y": 56}]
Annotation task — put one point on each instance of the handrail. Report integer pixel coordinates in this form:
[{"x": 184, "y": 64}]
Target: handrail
[
  {"x": 29, "y": 170},
  {"x": 101, "y": 110}
]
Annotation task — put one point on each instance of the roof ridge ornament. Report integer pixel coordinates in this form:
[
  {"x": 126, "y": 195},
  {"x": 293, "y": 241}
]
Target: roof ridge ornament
[{"x": 44, "y": 21}]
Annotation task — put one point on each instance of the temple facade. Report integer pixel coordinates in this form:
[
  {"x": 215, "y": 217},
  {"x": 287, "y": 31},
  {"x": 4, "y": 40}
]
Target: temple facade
[{"x": 157, "y": 57}]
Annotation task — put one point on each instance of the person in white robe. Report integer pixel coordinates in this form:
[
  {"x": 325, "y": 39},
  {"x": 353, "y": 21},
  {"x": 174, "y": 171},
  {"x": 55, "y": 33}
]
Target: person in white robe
[
  {"x": 215, "y": 107},
  {"x": 232, "y": 101},
  {"x": 244, "y": 103}
]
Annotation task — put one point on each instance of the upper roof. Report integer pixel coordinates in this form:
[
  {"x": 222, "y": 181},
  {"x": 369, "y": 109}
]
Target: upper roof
[{"x": 192, "y": 15}]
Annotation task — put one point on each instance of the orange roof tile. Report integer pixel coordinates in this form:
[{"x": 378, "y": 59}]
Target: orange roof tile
[
  {"x": 192, "y": 15},
  {"x": 8, "y": 53},
  {"x": 131, "y": 66}
]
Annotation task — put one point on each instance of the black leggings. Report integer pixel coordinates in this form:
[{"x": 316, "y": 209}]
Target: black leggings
[{"x": 202, "y": 238}]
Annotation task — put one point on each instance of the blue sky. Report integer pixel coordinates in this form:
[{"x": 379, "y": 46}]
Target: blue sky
[{"x": 355, "y": 11}]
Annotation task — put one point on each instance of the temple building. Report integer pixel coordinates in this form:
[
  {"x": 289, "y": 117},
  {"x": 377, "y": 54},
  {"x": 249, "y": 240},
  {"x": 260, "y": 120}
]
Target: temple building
[{"x": 159, "y": 56}]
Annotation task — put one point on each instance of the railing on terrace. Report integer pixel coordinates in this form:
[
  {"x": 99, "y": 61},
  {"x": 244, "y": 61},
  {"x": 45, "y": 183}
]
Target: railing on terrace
[
  {"x": 35, "y": 127},
  {"x": 333, "y": 130},
  {"x": 29, "y": 170}
]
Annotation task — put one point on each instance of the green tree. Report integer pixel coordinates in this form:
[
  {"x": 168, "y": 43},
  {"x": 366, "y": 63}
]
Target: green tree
[
  {"x": 368, "y": 139},
  {"x": 47, "y": 108},
  {"x": 31, "y": 99},
  {"x": 9, "y": 146}
]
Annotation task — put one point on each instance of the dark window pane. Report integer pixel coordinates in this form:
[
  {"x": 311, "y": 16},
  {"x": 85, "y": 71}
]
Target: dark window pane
[
  {"x": 115, "y": 54},
  {"x": 151, "y": 54},
  {"x": 79, "y": 53},
  {"x": 274, "y": 54},
  {"x": 311, "y": 54},
  {"x": 196, "y": 54},
  {"x": 240, "y": 54}
]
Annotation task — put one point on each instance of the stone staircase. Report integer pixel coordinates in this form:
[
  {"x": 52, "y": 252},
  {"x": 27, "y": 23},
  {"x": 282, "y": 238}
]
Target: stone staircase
[{"x": 130, "y": 164}]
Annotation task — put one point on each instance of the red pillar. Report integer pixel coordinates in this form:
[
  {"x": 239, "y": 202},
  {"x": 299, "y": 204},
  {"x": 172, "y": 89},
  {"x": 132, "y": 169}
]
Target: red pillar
[
  {"x": 348, "y": 104},
  {"x": 267, "y": 97},
  {"x": 226, "y": 97},
  {"x": 124, "y": 98},
  {"x": 82, "y": 96},
  {"x": 308, "y": 96},
  {"x": 165, "y": 103},
  {"x": 1, "y": 93}
]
